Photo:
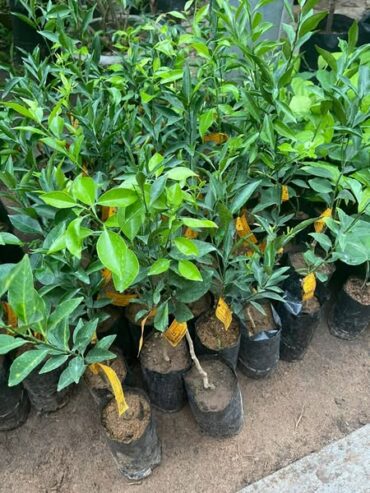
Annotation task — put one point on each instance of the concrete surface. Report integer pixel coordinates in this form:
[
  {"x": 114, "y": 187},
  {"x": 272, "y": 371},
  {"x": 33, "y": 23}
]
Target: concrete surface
[{"x": 341, "y": 467}]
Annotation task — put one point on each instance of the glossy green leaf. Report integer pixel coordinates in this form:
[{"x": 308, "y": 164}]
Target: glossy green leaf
[
  {"x": 118, "y": 197},
  {"x": 192, "y": 222},
  {"x": 8, "y": 343},
  {"x": 24, "y": 364},
  {"x": 189, "y": 270},
  {"x": 59, "y": 200},
  {"x": 186, "y": 246},
  {"x": 180, "y": 173},
  {"x": 161, "y": 265},
  {"x": 84, "y": 189}
]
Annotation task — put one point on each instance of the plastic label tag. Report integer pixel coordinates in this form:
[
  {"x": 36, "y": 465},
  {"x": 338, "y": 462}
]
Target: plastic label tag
[
  {"x": 284, "y": 193},
  {"x": 119, "y": 299},
  {"x": 176, "y": 332},
  {"x": 190, "y": 233},
  {"x": 115, "y": 383},
  {"x": 320, "y": 223},
  {"x": 107, "y": 275},
  {"x": 223, "y": 313},
  {"x": 107, "y": 212},
  {"x": 243, "y": 229},
  {"x": 308, "y": 286},
  {"x": 216, "y": 138},
  {"x": 11, "y": 318},
  {"x": 152, "y": 313}
]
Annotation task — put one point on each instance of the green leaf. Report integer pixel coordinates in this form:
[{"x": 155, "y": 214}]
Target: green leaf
[
  {"x": 155, "y": 161},
  {"x": 161, "y": 265},
  {"x": 25, "y": 223},
  {"x": 198, "y": 223},
  {"x": 84, "y": 189},
  {"x": 24, "y": 364},
  {"x": 59, "y": 335},
  {"x": 105, "y": 342},
  {"x": 8, "y": 343},
  {"x": 311, "y": 23},
  {"x": 76, "y": 368},
  {"x": 83, "y": 333},
  {"x": 186, "y": 246},
  {"x": 161, "y": 317},
  {"x": 20, "y": 109},
  {"x": 59, "y": 200},
  {"x": 65, "y": 379},
  {"x": 115, "y": 256},
  {"x": 243, "y": 196},
  {"x": 118, "y": 197},
  {"x": 21, "y": 293},
  {"x": 97, "y": 355},
  {"x": 180, "y": 173},
  {"x": 9, "y": 239},
  {"x": 53, "y": 363},
  {"x": 206, "y": 120},
  {"x": 189, "y": 270},
  {"x": 320, "y": 185},
  {"x": 63, "y": 311}
]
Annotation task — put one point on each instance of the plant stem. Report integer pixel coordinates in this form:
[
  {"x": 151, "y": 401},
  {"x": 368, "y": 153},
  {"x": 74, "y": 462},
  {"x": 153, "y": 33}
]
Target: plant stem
[
  {"x": 329, "y": 22},
  {"x": 193, "y": 356}
]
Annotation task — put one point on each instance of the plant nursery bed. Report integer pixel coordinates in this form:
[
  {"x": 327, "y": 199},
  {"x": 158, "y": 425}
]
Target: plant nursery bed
[{"x": 297, "y": 410}]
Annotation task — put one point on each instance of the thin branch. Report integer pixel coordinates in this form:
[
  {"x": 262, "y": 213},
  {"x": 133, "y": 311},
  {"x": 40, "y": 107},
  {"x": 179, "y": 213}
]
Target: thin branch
[{"x": 204, "y": 375}]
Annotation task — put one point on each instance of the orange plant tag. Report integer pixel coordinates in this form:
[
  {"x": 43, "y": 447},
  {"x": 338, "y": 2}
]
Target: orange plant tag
[
  {"x": 119, "y": 299},
  {"x": 11, "y": 318},
  {"x": 107, "y": 212},
  {"x": 216, "y": 138},
  {"x": 176, "y": 332},
  {"x": 190, "y": 233},
  {"x": 308, "y": 286},
  {"x": 284, "y": 193},
  {"x": 107, "y": 275},
  {"x": 243, "y": 229},
  {"x": 223, "y": 313},
  {"x": 320, "y": 223}
]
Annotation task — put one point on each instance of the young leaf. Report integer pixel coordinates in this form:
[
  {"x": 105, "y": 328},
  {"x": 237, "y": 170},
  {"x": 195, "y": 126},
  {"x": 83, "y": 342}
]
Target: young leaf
[
  {"x": 180, "y": 173},
  {"x": 21, "y": 292},
  {"x": 206, "y": 120},
  {"x": 186, "y": 246},
  {"x": 161, "y": 265},
  {"x": 84, "y": 189},
  {"x": 110, "y": 248},
  {"x": 59, "y": 200},
  {"x": 24, "y": 364},
  {"x": 198, "y": 223},
  {"x": 118, "y": 197},
  {"x": 189, "y": 270}
]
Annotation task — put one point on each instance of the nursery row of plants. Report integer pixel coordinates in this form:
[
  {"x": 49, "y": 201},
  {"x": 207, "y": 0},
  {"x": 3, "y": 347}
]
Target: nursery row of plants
[{"x": 183, "y": 208}]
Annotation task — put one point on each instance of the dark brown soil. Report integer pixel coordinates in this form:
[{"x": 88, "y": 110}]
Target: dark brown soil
[
  {"x": 221, "y": 376},
  {"x": 212, "y": 333},
  {"x": 100, "y": 381},
  {"x": 311, "y": 306},
  {"x": 201, "y": 306},
  {"x": 261, "y": 322},
  {"x": 133, "y": 309},
  {"x": 158, "y": 355},
  {"x": 115, "y": 315},
  {"x": 357, "y": 290},
  {"x": 132, "y": 424}
]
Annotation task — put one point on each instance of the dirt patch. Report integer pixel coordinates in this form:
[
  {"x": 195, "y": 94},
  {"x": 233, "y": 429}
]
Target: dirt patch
[
  {"x": 212, "y": 333},
  {"x": 202, "y": 305},
  {"x": 310, "y": 306},
  {"x": 256, "y": 321},
  {"x": 131, "y": 425},
  {"x": 99, "y": 381},
  {"x": 356, "y": 289},
  {"x": 299, "y": 409},
  {"x": 158, "y": 355},
  {"x": 221, "y": 376}
]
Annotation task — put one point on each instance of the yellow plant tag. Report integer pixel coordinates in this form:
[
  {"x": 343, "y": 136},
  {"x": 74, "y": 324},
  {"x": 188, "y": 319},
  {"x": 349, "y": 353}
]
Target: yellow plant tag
[
  {"x": 190, "y": 233},
  {"x": 217, "y": 138},
  {"x": 176, "y": 332},
  {"x": 115, "y": 383},
  {"x": 107, "y": 276},
  {"x": 11, "y": 318},
  {"x": 107, "y": 212},
  {"x": 84, "y": 170},
  {"x": 320, "y": 223},
  {"x": 143, "y": 322},
  {"x": 223, "y": 313},
  {"x": 243, "y": 229},
  {"x": 284, "y": 193},
  {"x": 119, "y": 299},
  {"x": 308, "y": 286}
]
